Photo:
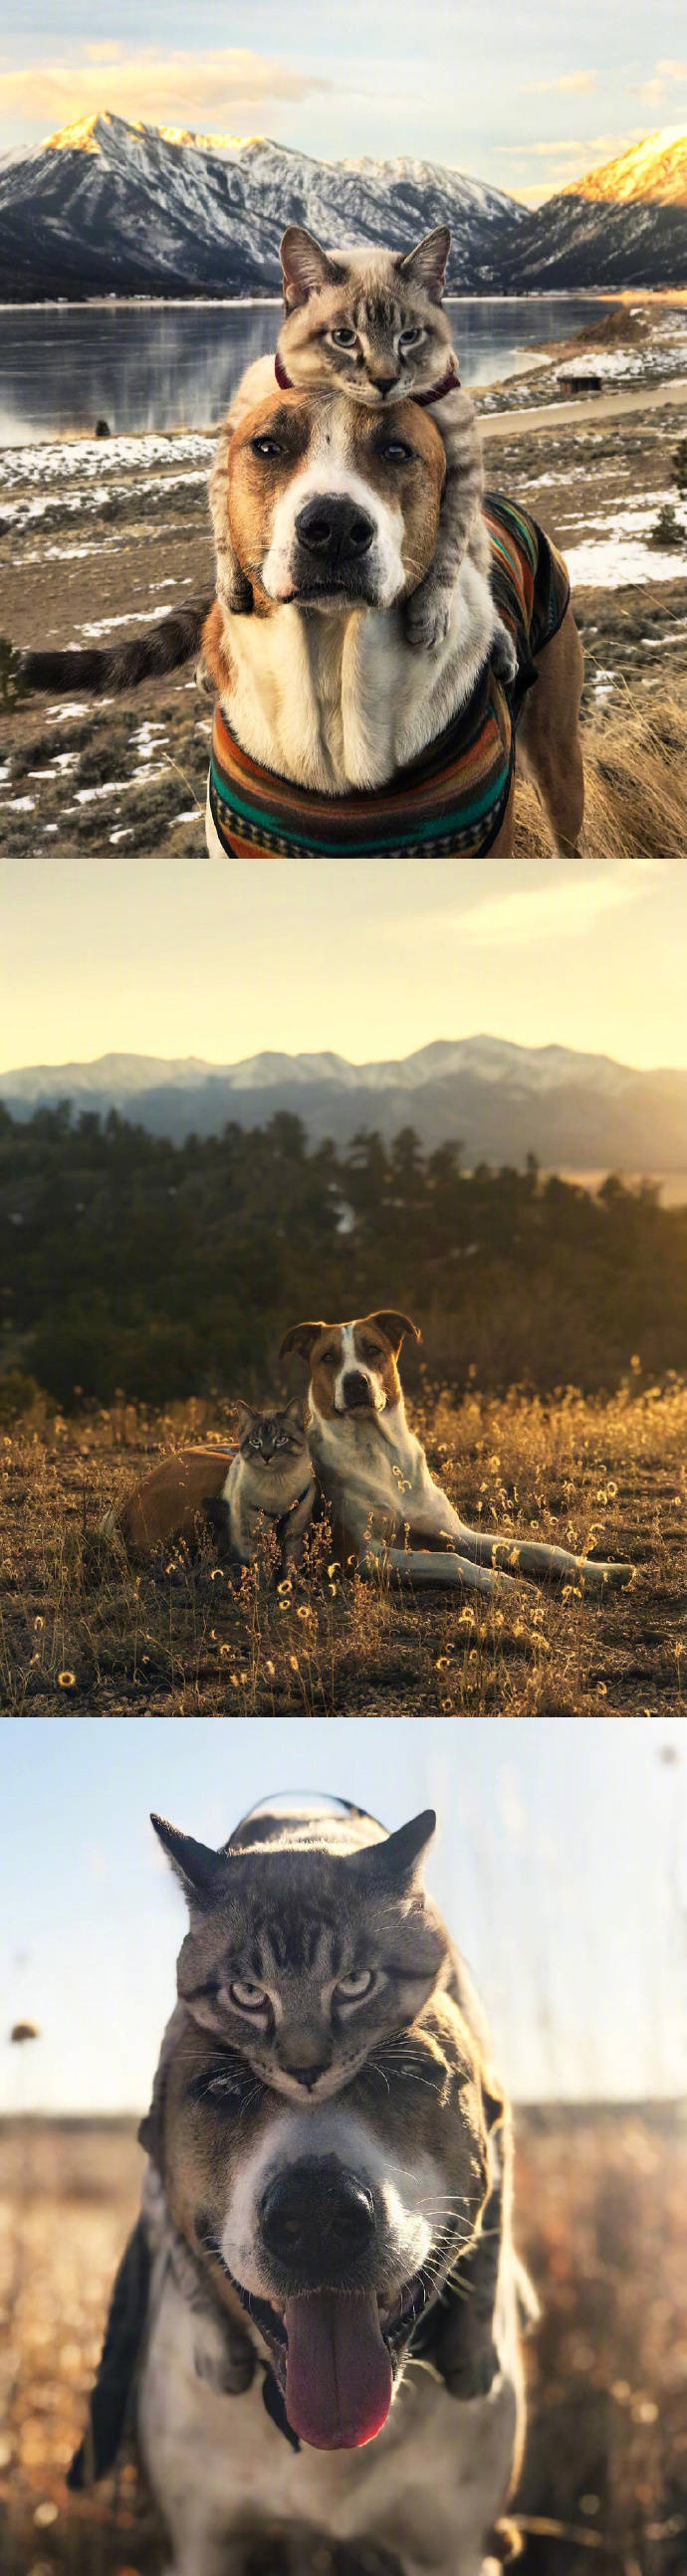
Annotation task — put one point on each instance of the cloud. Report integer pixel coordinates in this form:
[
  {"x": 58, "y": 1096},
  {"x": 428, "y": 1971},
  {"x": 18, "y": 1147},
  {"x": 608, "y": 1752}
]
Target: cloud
[
  {"x": 567, "y": 80},
  {"x": 668, "y": 75},
  {"x": 177, "y": 87},
  {"x": 568, "y": 907}
]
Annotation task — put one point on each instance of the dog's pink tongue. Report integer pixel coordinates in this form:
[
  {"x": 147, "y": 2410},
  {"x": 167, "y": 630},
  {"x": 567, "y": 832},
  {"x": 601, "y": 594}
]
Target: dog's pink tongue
[{"x": 338, "y": 2371}]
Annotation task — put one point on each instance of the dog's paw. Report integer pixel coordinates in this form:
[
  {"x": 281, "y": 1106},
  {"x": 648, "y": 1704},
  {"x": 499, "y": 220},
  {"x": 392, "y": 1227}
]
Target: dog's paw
[
  {"x": 427, "y": 618},
  {"x": 503, "y": 654}
]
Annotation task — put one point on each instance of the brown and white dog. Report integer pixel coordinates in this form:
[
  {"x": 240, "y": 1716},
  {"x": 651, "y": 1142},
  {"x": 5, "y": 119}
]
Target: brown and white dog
[
  {"x": 386, "y": 1508},
  {"x": 333, "y": 507}
]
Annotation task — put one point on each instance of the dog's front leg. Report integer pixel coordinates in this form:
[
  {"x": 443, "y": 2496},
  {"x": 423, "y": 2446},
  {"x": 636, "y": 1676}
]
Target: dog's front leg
[
  {"x": 533, "y": 1556},
  {"x": 427, "y": 1566}
]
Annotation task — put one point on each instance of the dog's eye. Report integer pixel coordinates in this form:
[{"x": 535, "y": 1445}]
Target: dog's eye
[
  {"x": 395, "y": 451},
  {"x": 410, "y": 339},
  {"x": 249, "y": 1998},
  {"x": 371, "y": 1352},
  {"x": 266, "y": 447},
  {"x": 350, "y": 1990},
  {"x": 344, "y": 337},
  {"x": 330, "y": 1354}
]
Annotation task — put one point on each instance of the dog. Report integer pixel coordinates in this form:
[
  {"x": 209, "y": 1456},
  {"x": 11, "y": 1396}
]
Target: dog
[
  {"x": 386, "y": 1509},
  {"x": 332, "y": 736},
  {"x": 288, "y": 2283}
]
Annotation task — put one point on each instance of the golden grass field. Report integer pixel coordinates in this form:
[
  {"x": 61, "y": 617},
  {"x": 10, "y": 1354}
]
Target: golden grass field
[
  {"x": 81, "y": 1628},
  {"x": 601, "y": 2198}
]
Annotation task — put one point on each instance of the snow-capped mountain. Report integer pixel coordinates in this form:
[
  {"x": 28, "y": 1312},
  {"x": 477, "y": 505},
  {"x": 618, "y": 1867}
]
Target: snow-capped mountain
[
  {"x": 111, "y": 207},
  {"x": 654, "y": 171},
  {"x": 579, "y": 1112},
  {"x": 624, "y": 224}
]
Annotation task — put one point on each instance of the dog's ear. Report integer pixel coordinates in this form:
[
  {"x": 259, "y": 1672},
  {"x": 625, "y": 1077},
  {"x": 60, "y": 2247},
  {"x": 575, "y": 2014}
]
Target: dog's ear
[
  {"x": 493, "y": 2099},
  {"x": 394, "y": 1862},
  {"x": 196, "y": 1866},
  {"x": 304, "y": 266},
  {"x": 426, "y": 264},
  {"x": 394, "y": 1325},
  {"x": 300, "y": 1337}
]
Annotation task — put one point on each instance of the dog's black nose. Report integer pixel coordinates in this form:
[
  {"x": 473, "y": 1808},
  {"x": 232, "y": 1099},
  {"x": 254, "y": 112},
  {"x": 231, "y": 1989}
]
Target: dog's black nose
[
  {"x": 317, "y": 2216},
  {"x": 356, "y": 1390},
  {"x": 336, "y": 531}
]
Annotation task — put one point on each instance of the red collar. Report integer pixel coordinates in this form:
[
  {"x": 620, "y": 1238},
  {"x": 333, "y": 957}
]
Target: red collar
[{"x": 434, "y": 394}]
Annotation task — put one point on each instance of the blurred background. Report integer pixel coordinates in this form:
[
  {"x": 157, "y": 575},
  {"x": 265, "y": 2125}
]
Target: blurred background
[{"x": 561, "y": 1864}]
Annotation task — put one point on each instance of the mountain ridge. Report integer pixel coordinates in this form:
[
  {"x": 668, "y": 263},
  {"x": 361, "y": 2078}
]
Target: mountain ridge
[
  {"x": 572, "y": 1109},
  {"x": 110, "y": 205}
]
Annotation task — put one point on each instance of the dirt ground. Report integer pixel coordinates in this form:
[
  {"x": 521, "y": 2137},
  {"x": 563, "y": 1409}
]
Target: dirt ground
[
  {"x": 81, "y": 1628},
  {"x": 600, "y": 2220},
  {"x": 100, "y": 538}
]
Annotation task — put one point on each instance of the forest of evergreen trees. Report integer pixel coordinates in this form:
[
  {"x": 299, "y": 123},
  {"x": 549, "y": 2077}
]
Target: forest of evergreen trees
[{"x": 172, "y": 1270}]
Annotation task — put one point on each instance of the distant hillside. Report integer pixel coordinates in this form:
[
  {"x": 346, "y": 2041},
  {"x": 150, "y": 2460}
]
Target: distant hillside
[
  {"x": 574, "y": 1111},
  {"x": 624, "y": 224},
  {"x": 108, "y": 206}
]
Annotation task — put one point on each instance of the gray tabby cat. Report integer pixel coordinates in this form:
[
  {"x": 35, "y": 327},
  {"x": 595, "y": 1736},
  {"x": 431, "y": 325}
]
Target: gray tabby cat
[
  {"x": 311, "y": 1949},
  {"x": 372, "y": 324},
  {"x": 270, "y": 1484}
]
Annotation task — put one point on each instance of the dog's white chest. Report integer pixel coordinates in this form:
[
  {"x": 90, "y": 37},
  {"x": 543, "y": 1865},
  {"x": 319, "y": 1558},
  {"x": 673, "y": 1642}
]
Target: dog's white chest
[{"x": 425, "y": 2488}]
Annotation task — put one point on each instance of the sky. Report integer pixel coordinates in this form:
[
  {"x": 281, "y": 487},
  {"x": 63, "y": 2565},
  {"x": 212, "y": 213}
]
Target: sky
[
  {"x": 192, "y": 959},
  {"x": 560, "y": 1864},
  {"x": 526, "y": 96}
]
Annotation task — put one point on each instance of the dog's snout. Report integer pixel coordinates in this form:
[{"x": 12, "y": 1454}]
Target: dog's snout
[
  {"x": 316, "y": 2216},
  {"x": 335, "y": 530},
  {"x": 356, "y": 1389}
]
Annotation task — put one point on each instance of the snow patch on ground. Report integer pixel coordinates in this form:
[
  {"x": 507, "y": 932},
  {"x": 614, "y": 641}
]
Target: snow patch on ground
[{"x": 61, "y": 460}]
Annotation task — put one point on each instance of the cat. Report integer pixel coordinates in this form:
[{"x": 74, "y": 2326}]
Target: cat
[
  {"x": 271, "y": 1483},
  {"x": 370, "y": 324},
  {"x": 312, "y": 1948}
]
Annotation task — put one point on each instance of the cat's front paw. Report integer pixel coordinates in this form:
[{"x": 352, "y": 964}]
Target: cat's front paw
[
  {"x": 504, "y": 658},
  {"x": 475, "y": 2375},
  {"x": 427, "y": 618}
]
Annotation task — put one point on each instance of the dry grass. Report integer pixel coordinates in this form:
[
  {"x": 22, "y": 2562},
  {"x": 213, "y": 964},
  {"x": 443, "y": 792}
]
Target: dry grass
[
  {"x": 81, "y": 1628},
  {"x": 601, "y": 2202},
  {"x": 635, "y": 762}
]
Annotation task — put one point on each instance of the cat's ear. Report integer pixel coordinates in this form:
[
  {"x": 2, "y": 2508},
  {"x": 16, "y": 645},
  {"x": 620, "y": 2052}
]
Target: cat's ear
[
  {"x": 394, "y": 1325},
  {"x": 197, "y": 1867},
  {"x": 301, "y": 1337},
  {"x": 245, "y": 1416},
  {"x": 394, "y": 1862},
  {"x": 293, "y": 1412},
  {"x": 304, "y": 265},
  {"x": 426, "y": 265}
]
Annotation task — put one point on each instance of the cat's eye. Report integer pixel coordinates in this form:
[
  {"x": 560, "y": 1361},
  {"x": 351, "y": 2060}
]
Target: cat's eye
[
  {"x": 343, "y": 338},
  {"x": 248, "y": 1997},
  {"x": 410, "y": 339},
  {"x": 350, "y": 1990},
  {"x": 266, "y": 447}
]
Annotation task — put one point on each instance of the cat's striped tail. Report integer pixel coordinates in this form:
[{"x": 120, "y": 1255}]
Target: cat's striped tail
[{"x": 115, "y": 667}]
